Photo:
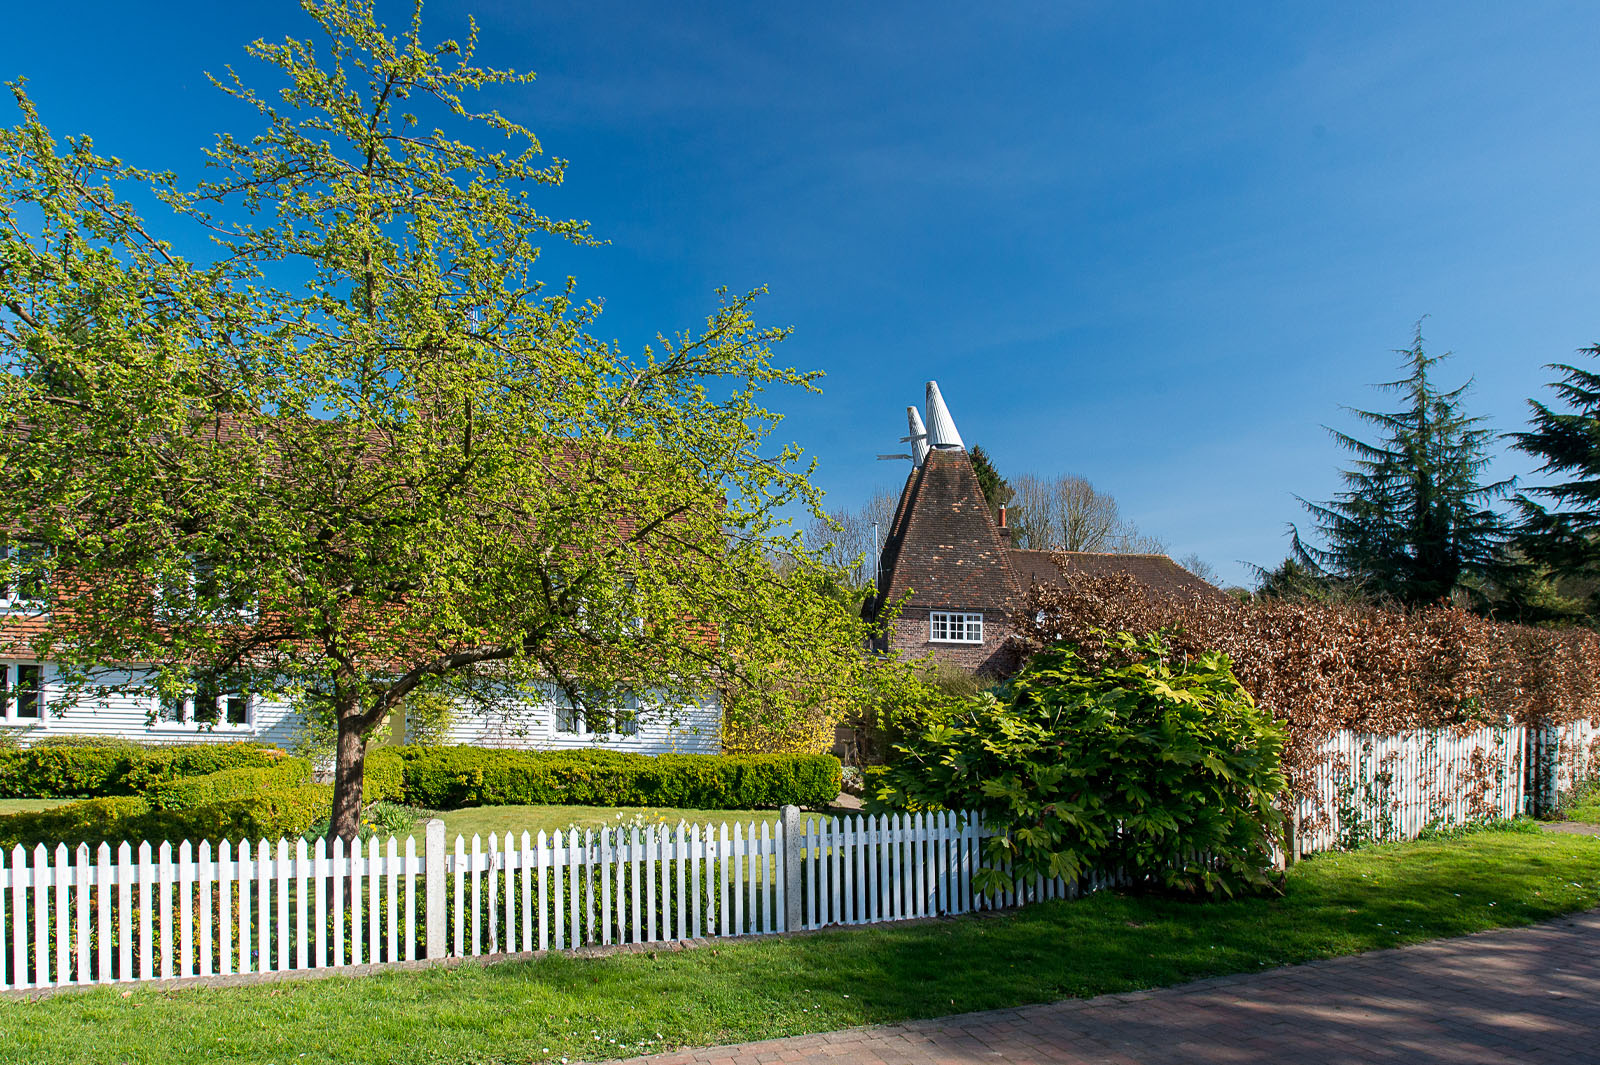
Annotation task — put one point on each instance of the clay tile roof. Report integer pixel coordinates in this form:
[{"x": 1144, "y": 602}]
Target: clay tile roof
[
  {"x": 1158, "y": 573},
  {"x": 943, "y": 549}
]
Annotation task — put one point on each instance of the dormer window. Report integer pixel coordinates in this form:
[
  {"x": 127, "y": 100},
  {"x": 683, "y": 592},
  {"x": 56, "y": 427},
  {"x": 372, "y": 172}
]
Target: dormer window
[
  {"x": 24, "y": 575},
  {"x": 202, "y": 591},
  {"x": 947, "y": 626}
]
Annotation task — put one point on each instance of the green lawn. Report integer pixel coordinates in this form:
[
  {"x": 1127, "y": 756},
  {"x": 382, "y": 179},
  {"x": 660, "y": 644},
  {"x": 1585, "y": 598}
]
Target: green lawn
[
  {"x": 597, "y": 1008},
  {"x": 17, "y": 806},
  {"x": 532, "y": 819}
]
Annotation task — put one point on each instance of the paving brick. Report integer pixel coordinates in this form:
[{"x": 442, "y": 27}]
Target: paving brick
[{"x": 1530, "y": 994}]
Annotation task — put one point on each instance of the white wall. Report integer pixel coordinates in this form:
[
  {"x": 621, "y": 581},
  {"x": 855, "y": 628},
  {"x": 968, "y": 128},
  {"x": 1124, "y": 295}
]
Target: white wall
[
  {"x": 693, "y": 729},
  {"x": 690, "y": 729}
]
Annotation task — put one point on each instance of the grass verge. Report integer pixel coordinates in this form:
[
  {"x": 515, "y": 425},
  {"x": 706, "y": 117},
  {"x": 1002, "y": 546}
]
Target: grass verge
[{"x": 597, "y": 1008}]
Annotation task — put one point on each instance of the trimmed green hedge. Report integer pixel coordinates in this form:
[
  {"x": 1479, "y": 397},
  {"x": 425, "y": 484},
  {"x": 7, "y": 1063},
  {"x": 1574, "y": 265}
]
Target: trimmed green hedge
[
  {"x": 448, "y": 777},
  {"x": 115, "y": 767},
  {"x": 187, "y": 793},
  {"x": 383, "y": 777},
  {"x": 284, "y": 811}
]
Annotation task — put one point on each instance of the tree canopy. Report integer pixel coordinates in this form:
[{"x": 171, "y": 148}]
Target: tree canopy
[{"x": 360, "y": 450}]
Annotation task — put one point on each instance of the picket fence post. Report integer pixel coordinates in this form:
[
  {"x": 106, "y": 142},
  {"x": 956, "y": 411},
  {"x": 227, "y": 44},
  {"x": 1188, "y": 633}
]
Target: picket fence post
[
  {"x": 434, "y": 872},
  {"x": 790, "y": 824}
]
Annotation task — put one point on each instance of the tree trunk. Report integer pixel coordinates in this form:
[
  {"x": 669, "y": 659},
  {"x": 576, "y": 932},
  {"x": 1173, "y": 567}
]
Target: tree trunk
[{"x": 348, "y": 769}]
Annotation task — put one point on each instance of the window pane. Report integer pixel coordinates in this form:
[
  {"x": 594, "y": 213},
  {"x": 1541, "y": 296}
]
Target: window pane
[
  {"x": 238, "y": 710},
  {"x": 30, "y": 697},
  {"x": 172, "y": 710}
]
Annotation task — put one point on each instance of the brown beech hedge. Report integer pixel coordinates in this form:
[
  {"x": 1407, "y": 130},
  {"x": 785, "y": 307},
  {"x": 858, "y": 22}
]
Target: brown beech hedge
[{"x": 1322, "y": 667}]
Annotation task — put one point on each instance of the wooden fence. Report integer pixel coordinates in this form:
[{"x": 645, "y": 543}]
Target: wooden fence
[{"x": 1371, "y": 788}]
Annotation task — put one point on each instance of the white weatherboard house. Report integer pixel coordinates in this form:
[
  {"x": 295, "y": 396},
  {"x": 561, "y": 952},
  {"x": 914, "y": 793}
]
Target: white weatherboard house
[{"x": 36, "y": 706}]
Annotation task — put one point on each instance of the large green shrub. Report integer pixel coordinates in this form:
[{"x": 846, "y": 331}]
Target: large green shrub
[
  {"x": 1166, "y": 772},
  {"x": 158, "y": 764},
  {"x": 187, "y": 793},
  {"x": 64, "y": 772},
  {"x": 89, "y": 768},
  {"x": 286, "y": 811},
  {"x": 383, "y": 778},
  {"x": 448, "y": 777}
]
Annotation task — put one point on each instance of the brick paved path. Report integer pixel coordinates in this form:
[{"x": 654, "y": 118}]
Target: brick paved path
[{"x": 1527, "y": 995}]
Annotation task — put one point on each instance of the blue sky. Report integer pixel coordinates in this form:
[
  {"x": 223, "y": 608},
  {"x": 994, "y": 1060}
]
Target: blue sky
[{"x": 1156, "y": 245}]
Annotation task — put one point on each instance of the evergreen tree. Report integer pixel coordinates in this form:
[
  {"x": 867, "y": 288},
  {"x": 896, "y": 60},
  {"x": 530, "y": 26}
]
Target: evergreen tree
[
  {"x": 1565, "y": 534},
  {"x": 1415, "y": 523},
  {"x": 997, "y": 492}
]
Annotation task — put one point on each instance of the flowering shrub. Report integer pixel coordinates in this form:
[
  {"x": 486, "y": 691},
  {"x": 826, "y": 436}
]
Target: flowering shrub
[{"x": 1168, "y": 773}]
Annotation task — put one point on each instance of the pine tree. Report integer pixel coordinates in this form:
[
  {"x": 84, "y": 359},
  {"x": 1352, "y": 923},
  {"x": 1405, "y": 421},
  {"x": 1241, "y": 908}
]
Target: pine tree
[
  {"x": 1565, "y": 535},
  {"x": 1415, "y": 523},
  {"x": 997, "y": 492}
]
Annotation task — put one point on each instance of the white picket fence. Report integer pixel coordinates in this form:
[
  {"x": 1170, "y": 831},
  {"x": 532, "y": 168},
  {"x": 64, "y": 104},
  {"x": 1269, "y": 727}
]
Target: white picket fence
[
  {"x": 1369, "y": 788},
  {"x": 94, "y": 916}
]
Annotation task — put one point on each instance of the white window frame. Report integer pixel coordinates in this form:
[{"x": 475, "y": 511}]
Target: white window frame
[
  {"x": 955, "y": 626},
  {"x": 187, "y": 722},
  {"x": 10, "y": 685},
  {"x": 10, "y": 558},
  {"x": 569, "y": 720}
]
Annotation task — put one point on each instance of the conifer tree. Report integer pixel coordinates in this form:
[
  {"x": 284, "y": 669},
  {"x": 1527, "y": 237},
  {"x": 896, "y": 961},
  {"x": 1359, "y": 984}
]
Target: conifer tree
[
  {"x": 997, "y": 492},
  {"x": 1563, "y": 533},
  {"x": 1415, "y": 523}
]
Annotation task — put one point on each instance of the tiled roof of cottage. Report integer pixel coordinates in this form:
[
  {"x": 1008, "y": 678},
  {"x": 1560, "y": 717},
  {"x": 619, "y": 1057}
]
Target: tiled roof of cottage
[
  {"x": 1157, "y": 573},
  {"x": 943, "y": 550}
]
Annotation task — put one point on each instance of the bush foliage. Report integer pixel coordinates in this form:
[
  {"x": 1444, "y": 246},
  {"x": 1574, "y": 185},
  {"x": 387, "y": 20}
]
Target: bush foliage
[
  {"x": 1168, "y": 773},
  {"x": 189, "y": 792},
  {"x": 448, "y": 777},
  {"x": 91, "y": 768}
]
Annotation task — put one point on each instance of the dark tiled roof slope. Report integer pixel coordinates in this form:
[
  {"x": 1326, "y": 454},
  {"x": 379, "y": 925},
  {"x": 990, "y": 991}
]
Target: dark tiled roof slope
[
  {"x": 943, "y": 551},
  {"x": 1157, "y": 573}
]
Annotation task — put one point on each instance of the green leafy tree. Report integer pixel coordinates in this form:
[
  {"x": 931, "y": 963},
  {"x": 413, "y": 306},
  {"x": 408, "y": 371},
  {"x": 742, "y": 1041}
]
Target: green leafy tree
[
  {"x": 361, "y": 451},
  {"x": 1141, "y": 766},
  {"x": 997, "y": 492},
  {"x": 1415, "y": 523}
]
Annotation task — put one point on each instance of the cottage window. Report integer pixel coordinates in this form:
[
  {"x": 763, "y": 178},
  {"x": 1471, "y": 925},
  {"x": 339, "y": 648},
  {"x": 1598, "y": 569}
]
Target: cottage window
[
  {"x": 205, "y": 707},
  {"x": 22, "y": 690},
  {"x": 624, "y": 719},
  {"x": 569, "y": 720},
  {"x": 628, "y": 717},
  {"x": 945, "y": 626},
  {"x": 24, "y": 575}
]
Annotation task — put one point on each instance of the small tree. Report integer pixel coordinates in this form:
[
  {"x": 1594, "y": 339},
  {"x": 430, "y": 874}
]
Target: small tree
[
  {"x": 1415, "y": 523},
  {"x": 1166, "y": 772},
  {"x": 362, "y": 452}
]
